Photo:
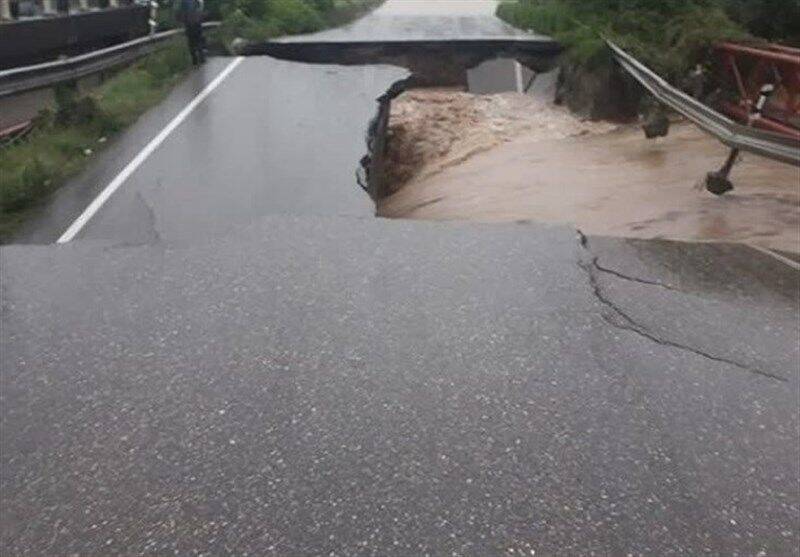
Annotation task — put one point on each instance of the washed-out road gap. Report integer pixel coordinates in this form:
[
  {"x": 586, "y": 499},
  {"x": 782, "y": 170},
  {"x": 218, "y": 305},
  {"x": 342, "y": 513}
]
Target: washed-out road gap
[
  {"x": 229, "y": 359},
  {"x": 268, "y": 137}
]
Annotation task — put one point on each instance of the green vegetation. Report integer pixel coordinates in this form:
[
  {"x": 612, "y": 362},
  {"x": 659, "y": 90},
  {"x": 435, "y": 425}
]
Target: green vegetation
[
  {"x": 63, "y": 140},
  {"x": 671, "y": 36},
  {"x": 256, "y": 20},
  {"x": 259, "y": 20},
  {"x": 774, "y": 20}
]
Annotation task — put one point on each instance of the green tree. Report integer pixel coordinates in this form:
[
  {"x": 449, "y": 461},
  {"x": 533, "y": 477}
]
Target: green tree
[{"x": 776, "y": 20}]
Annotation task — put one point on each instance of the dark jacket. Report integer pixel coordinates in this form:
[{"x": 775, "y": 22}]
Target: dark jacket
[{"x": 189, "y": 12}]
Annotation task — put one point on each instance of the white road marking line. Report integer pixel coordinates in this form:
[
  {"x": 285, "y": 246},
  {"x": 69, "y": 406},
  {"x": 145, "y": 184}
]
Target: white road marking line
[
  {"x": 137, "y": 161},
  {"x": 785, "y": 260}
]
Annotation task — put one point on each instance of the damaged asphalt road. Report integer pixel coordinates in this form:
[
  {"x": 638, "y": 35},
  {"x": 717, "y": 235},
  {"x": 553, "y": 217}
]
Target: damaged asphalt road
[
  {"x": 235, "y": 358},
  {"x": 680, "y": 304},
  {"x": 717, "y": 278},
  {"x": 349, "y": 386}
]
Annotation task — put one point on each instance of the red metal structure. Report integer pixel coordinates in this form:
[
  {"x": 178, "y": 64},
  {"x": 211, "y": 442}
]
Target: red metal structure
[{"x": 753, "y": 67}]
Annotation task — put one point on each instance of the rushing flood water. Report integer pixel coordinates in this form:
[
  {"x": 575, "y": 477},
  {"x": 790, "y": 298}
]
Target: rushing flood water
[{"x": 616, "y": 184}]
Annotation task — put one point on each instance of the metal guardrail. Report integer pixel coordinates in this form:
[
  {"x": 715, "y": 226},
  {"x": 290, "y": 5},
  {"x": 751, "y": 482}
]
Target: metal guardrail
[
  {"x": 41, "y": 39},
  {"x": 737, "y": 136},
  {"x": 19, "y": 80}
]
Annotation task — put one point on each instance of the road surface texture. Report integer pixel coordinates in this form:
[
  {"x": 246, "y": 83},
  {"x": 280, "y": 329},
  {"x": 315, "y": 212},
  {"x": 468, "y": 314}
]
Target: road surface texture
[
  {"x": 275, "y": 137},
  {"x": 284, "y": 374}
]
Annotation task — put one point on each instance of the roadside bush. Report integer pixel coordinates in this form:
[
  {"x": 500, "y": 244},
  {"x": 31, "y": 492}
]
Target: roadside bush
[
  {"x": 775, "y": 20},
  {"x": 294, "y": 16},
  {"x": 74, "y": 110},
  {"x": 32, "y": 183},
  {"x": 24, "y": 184},
  {"x": 670, "y": 36},
  {"x": 239, "y": 25},
  {"x": 166, "y": 63},
  {"x": 323, "y": 6}
]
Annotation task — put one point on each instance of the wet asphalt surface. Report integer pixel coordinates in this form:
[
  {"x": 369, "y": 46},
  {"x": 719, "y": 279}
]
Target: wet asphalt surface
[
  {"x": 424, "y": 20},
  {"x": 236, "y": 358},
  {"x": 287, "y": 139}
]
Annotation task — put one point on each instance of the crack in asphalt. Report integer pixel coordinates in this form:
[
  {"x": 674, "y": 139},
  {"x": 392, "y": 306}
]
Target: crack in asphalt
[
  {"x": 151, "y": 220},
  {"x": 623, "y": 276},
  {"x": 631, "y": 325}
]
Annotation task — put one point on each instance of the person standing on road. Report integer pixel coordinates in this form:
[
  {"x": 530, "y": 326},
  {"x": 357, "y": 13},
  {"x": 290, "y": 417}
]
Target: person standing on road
[{"x": 190, "y": 13}]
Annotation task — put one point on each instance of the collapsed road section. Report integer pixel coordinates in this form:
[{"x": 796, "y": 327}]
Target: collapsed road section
[
  {"x": 398, "y": 29},
  {"x": 282, "y": 137},
  {"x": 437, "y": 48},
  {"x": 433, "y": 63},
  {"x": 287, "y": 139},
  {"x": 317, "y": 383}
]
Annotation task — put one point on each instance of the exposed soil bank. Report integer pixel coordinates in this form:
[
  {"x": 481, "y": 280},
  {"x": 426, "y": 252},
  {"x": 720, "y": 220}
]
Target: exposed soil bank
[
  {"x": 615, "y": 184},
  {"x": 434, "y": 129},
  {"x": 600, "y": 93}
]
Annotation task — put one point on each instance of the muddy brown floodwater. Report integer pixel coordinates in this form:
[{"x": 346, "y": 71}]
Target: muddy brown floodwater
[
  {"x": 431, "y": 130},
  {"x": 502, "y": 158}
]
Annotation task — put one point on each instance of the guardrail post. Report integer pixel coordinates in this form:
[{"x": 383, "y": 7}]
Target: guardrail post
[
  {"x": 153, "y": 21},
  {"x": 49, "y": 7},
  {"x": 5, "y": 9}
]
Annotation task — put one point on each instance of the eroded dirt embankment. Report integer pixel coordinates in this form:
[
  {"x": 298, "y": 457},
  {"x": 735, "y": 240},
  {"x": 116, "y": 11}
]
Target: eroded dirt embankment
[{"x": 431, "y": 130}]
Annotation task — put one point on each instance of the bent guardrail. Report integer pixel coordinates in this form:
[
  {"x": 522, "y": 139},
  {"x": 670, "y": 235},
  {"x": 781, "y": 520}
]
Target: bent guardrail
[
  {"x": 38, "y": 76},
  {"x": 737, "y": 136}
]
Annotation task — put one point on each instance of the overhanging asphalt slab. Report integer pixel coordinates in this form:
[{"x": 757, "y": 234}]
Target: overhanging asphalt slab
[
  {"x": 398, "y": 30},
  {"x": 433, "y": 20}
]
